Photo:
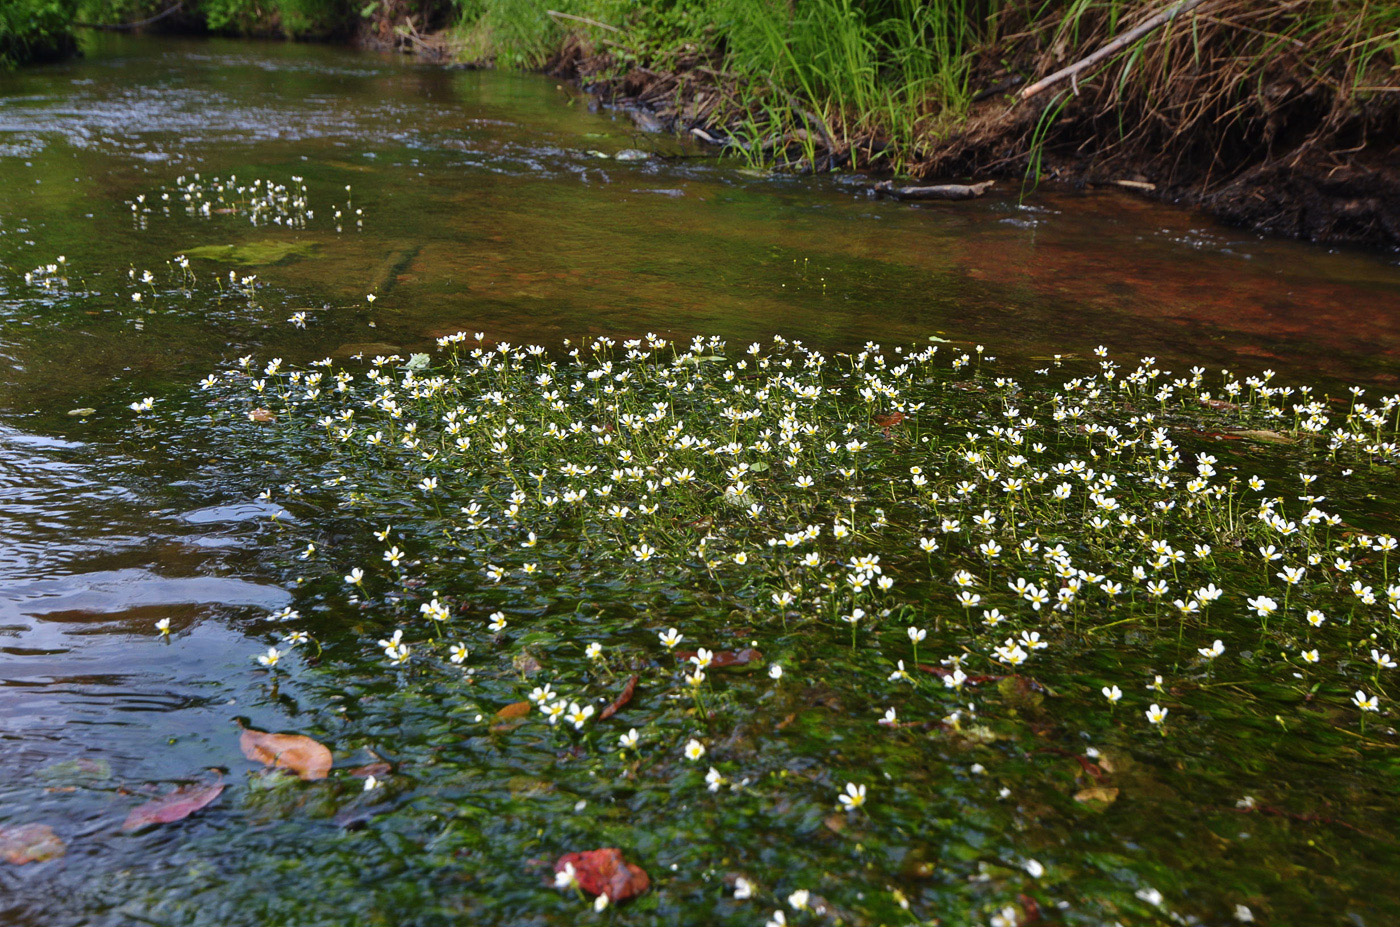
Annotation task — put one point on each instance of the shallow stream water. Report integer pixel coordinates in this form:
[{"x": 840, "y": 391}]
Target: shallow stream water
[{"x": 477, "y": 201}]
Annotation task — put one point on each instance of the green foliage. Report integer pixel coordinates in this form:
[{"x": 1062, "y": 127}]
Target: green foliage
[
  {"x": 290, "y": 17},
  {"x": 33, "y": 30}
]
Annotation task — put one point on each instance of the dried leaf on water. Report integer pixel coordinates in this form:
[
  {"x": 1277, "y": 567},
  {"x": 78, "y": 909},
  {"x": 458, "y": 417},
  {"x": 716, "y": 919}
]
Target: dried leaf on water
[
  {"x": 29, "y": 843},
  {"x": 1101, "y": 795},
  {"x": 621, "y": 700},
  {"x": 513, "y": 710},
  {"x": 509, "y": 717},
  {"x": 302, "y": 755},
  {"x": 173, "y": 806},
  {"x": 1266, "y": 437},
  {"x": 605, "y": 872}
]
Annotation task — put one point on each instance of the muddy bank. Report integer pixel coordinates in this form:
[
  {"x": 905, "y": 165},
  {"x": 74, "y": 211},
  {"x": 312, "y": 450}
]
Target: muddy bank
[{"x": 1268, "y": 144}]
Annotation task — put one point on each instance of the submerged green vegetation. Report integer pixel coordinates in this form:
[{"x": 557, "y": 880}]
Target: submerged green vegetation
[{"x": 879, "y": 637}]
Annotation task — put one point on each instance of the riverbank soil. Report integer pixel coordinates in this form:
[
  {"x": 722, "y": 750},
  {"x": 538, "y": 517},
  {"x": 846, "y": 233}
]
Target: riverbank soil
[{"x": 1283, "y": 118}]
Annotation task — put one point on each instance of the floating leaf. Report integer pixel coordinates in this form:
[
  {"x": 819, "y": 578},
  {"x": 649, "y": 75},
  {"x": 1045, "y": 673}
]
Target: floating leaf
[
  {"x": 1098, "y": 794},
  {"x": 261, "y": 416},
  {"x": 378, "y": 770},
  {"x": 76, "y": 772},
  {"x": 302, "y": 755},
  {"x": 29, "y": 843},
  {"x": 889, "y": 421},
  {"x": 1266, "y": 437},
  {"x": 513, "y": 710},
  {"x": 621, "y": 700},
  {"x": 605, "y": 872},
  {"x": 173, "y": 806},
  {"x": 81, "y": 413}
]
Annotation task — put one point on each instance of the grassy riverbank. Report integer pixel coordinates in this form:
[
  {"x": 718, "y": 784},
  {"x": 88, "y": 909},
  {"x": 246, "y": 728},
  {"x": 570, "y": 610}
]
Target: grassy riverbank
[{"x": 1277, "y": 116}]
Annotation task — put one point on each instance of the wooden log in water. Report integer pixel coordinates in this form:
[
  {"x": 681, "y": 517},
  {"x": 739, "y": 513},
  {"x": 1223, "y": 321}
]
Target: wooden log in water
[
  {"x": 386, "y": 274},
  {"x": 944, "y": 191}
]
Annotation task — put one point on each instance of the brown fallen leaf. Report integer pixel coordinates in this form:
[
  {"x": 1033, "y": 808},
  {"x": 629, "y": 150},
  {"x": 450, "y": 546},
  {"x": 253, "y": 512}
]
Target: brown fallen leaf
[
  {"x": 173, "y": 806},
  {"x": 621, "y": 700},
  {"x": 29, "y": 843},
  {"x": 261, "y": 416},
  {"x": 886, "y": 422},
  {"x": 302, "y": 755},
  {"x": 1098, "y": 793},
  {"x": 1266, "y": 437},
  {"x": 605, "y": 872},
  {"x": 378, "y": 770},
  {"x": 513, "y": 710}
]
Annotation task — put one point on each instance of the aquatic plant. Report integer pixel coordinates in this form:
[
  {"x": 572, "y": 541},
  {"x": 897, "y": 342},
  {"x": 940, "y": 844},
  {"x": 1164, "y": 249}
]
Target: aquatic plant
[{"x": 493, "y": 546}]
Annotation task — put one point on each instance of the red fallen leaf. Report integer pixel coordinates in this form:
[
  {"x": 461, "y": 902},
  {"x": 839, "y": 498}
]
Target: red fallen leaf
[
  {"x": 29, "y": 843},
  {"x": 725, "y": 658},
  {"x": 302, "y": 755},
  {"x": 1031, "y": 908},
  {"x": 605, "y": 872},
  {"x": 888, "y": 421},
  {"x": 621, "y": 700},
  {"x": 173, "y": 806}
]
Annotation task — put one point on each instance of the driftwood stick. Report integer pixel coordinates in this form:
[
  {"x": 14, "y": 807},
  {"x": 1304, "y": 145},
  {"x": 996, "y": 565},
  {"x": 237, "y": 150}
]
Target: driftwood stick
[
  {"x": 1127, "y": 38},
  {"x": 945, "y": 191},
  {"x": 583, "y": 19},
  {"x": 122, "y": 27}
]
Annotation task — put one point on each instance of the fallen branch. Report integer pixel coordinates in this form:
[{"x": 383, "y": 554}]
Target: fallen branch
[
  {"x": 945, "y": 191},
  {"x": 582, "y": 19},
  {"x": 1127, "y": 38},
  {"x": 125, "y": 27}
]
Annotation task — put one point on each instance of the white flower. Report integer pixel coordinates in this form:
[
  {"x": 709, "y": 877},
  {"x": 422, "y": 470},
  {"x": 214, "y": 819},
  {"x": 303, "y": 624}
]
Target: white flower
[
  {"x": 566, "y": 878},
  {"x": 371, "y": 783},
  {"x": 694, "y": 749},
  {"x": 853, "y": 797},
  {"x": 629, "y": 739},
  {"x": 1213, "y": 651},
  {"x": 1156, "y": 714},
  {"x": 163, "y": 626},
  {"x": 1150, "y": 895},
  {"x": 743, "y": 888},
  {"x": 670, "y": 638},
  {"x": 775, "y": 671},
  {"x": 1112, "y": 693}
]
